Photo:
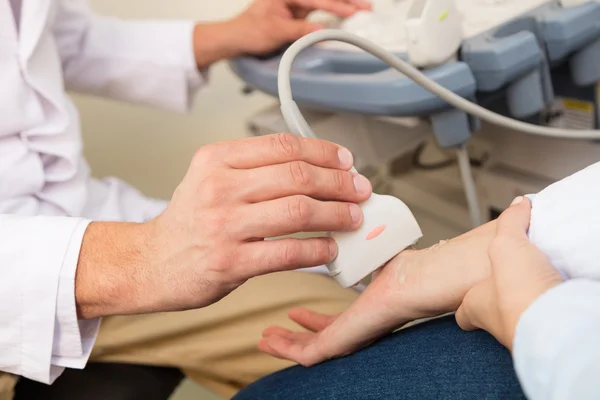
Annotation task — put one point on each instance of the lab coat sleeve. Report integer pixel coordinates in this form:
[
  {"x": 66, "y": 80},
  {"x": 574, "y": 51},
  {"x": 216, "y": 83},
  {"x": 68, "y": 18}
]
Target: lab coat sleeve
[
  {"x": 39, "y": 333},
  {"x": 556, "y": 349},
  {"x": 144, "y": 62}
]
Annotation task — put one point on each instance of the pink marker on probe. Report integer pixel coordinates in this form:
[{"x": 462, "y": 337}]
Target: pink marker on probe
[{"x": 375, "y": 232}]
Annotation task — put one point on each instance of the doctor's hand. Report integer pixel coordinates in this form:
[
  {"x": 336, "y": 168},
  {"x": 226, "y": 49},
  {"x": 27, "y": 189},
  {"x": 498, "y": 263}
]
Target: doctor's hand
[
  {"x": 520, "y": 274},
  {"x": 210, "y": 238},
  {"x": 265, "y": 26}
]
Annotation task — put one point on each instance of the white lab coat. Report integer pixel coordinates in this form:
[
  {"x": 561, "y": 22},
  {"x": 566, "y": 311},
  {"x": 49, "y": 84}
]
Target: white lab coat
[{"x": 42, "y": 171}]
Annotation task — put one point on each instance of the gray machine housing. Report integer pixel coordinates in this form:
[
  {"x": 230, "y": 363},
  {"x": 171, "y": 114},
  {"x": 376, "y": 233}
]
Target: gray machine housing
[{"x": 513, "y": 60}]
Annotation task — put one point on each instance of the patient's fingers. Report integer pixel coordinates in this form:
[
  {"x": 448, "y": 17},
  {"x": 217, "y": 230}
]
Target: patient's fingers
[
  {"x": 263, "y": 345},
  {"x": 367, "y": 319},
  {"x": 299, "y": 347},
  {"x": 276, "y": 331},
  {"x": 282, "y": 332},
  {"x": 311, "y": 320},
  {"x": 302, "y": 352}
]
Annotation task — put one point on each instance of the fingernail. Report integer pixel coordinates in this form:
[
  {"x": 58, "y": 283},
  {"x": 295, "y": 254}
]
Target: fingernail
[
  {"x": 355, "y": 213},
  {"x": 517, "y": 200},
  {"x": 345, "y": 157},
  {"x": 332, "y": 249},
  {"x": 362, "y": 184}
]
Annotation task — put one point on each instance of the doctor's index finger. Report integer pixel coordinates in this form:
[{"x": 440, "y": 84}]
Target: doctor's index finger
[{"x": 282, "y": 148}]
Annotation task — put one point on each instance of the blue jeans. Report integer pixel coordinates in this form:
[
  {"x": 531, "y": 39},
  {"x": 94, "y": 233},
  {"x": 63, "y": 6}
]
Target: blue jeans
[{"x": 435, "y": 360}]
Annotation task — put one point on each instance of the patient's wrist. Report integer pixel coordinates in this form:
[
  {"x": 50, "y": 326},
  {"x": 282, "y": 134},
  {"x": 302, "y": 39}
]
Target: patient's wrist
[
  {"x": 464, "y": 260},
  {"x": 434, "y": 281}
]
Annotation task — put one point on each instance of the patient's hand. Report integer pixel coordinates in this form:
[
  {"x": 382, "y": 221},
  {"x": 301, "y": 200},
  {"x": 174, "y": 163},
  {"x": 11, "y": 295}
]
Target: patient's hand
[
  {"x": 416, "y": 284},
  {"x": 520, "y": 274}
]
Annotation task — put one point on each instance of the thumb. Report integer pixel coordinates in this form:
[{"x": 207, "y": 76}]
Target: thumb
[
  {"x": 514, "y": 222},
  {"x": 477, "y": 306}
]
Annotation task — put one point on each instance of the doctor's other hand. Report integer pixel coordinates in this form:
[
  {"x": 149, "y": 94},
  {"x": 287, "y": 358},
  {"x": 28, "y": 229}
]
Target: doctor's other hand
[
  {"x": 264, "y": 26},
  {"x": 520, "y": 273},
  {"x": 210, "y": 238}
]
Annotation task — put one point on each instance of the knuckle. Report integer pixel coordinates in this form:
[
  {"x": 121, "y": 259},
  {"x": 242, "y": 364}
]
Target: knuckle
[
  {"x": 300, "y": 173},
  {"x": 224, "y": 267},
  {"x": 324, "y": 150},
  {"x": 299, "y": 211},
  {"x": 286, "y": 144},
  {"x": 342, "y": 215},
  {"x": 320, "y": 251},
  {"x": 204, "y": 155},
  {"x": 339, "y": 182},
  {"x": 220, "y": 263}
]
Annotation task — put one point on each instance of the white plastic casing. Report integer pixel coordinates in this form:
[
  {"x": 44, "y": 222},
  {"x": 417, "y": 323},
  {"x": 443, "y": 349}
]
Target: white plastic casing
[
  {"x": 389, "y": 227},
  {"x": 433, "y": 32}
]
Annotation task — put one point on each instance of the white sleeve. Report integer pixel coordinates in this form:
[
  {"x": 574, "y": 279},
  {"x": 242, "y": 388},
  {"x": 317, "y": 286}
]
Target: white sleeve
[
  {"x": 565, "y": 223},
  {"x": 39, "y": 333},
  {"x": 145, "y": 62},
  {"x": 556, "y": 348},
  {"x": 556, "y": 351}
]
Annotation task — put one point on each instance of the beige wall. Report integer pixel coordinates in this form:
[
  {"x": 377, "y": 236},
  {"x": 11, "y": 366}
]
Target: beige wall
[{"x": 151, "y": 149}]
